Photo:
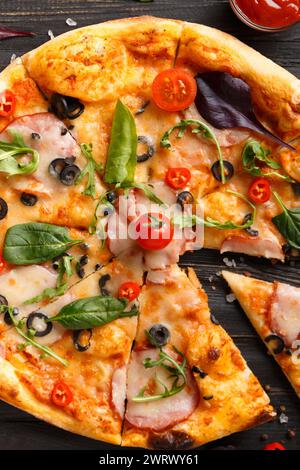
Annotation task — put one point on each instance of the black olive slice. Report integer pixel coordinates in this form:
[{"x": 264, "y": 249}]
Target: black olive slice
[
  {"x": 296, "y": 189},
  {"x": 102, "y": 281},
  {"x": 228, "y": 170},
  {"x": 77, "y": 337},
  {"x": 159, "y": 335},
  {"x": 69, "y": 174},
  {"x": 35, "y": 136},
  {"x": 150, "y": 151},
  {"x": 175, "y": 440},
  {"x": 251, "y": 231},
  {"x": 214, "y": 320},
  {"x": 142, "y": 108},
  {"x": 107, "y": 211},
  {"x": 111, "y": 196},
  {"x": 56, "y": 259},
  {"x": 83, "y": 260},
  {"x": 275, "y": 343},
  {"x": 80, "y": 271},
  {"x": 28, "y": 199},
  {"x": 199, "y": 372},
  {"x": 56, "y": 166},
  {"x": 7, "y": 318},
  {"x": 185, "y": 197},
  {"x": 31, "y": 321},
  {"x": 3, "y": 300},
  {"x": 66, "y": 106},
  {"x": 63, "y": 131},
  {"x": 3, "y": 208}
]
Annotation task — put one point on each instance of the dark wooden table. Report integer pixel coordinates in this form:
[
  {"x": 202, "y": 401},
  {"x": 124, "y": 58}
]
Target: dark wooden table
[{"x": 19, "y": 430}]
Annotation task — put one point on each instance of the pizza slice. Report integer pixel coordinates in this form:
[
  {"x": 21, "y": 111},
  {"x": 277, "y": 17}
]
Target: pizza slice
[
  {"x": 273, "y": 309},
  {"x": 187, "y": 382},
  {"x": 66, "y": 362}
]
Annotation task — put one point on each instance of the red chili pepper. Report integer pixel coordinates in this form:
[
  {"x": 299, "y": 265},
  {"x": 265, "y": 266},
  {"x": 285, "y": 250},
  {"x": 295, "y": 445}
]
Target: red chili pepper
[
  {"x": 61, "y": 394},
  {"x": 259, "y": 190},
  {"x": 3, "y": 264},
  {"x": 129, "y": 291},
  {"x": 274, "y": 446},
  {"x": 7, "y": 103},
  {"x": 178, "y": 178}
]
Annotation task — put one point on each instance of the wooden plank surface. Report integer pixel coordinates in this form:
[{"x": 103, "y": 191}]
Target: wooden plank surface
[{"x": 19, "y": 430}]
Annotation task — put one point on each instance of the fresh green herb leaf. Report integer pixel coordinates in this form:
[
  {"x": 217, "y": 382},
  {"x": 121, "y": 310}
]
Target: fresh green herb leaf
[
  {"x": 89, "y": 170},
  {"x": 29, "y": 338},
  {"x": 146, "y": 188},
  {"x": 89, "y": 312},
  {"x": 288, "y": 223},
  {"x": 34, "y": 242},
  {"x": 10, "y": 152},
  {"x": 253, "y": 153},
  {"x": 102, "y": 201},
  {"x": 121, "y": 159},
  {"x": 177, "y": 371},
  {"x": 65, "y": 271},
  {"x": 201, "y": 128}
]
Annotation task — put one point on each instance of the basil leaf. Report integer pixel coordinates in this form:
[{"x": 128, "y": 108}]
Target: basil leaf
[
  {"x": 121, "y": 159},
  {"x": 92, "y": 311},
  {"x": 288, "y": 223},
  {"x": 89, "y": 170},
  {"x": 11, "y": 151},
  {"x": 35, "y": 243},
  {"x": 201, "y": 128},
  {"x": 146, "y": 188},
  {"x": 253, "y": 151}
]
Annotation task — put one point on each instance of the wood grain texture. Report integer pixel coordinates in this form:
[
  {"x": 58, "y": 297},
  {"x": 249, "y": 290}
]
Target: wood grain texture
[{"x": 19, "y": 430}]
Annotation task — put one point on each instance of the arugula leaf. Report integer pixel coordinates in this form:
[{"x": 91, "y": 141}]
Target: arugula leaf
[
  {"x": 201, "y": 128},
  {"x": 90, "y": 169},
  {"x": 101, "y": 201},
  {"x": 121, "y": 159},
  {"x": 253, "y": 151},
  {"x": 11, "y": 151},
  {"x": 89, "y": 312},
  {"x": 177, "y": 371},
  {"x": 146, "y": 188},
  {"x": 18, "y": 325},
  {"x": 288, "y": 223},
  {"x": 64, "y": 271},
  {"x": 35, "y": 242}
]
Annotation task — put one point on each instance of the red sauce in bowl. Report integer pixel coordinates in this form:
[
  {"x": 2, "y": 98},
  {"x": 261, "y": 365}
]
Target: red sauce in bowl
[{"x": 271, "y": 13}]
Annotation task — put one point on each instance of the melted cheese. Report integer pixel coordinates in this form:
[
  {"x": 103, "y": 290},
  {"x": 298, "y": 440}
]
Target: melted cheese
[{"x": 285, "y": 313}]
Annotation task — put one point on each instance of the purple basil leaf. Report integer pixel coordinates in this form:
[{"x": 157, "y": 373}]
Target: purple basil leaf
[
  {"x": 225, "y": 102},
  {"x": 6, "y": 33}
]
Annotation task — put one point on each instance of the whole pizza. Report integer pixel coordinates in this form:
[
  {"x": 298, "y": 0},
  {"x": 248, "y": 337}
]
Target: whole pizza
[{"x": 124, "y": 145}]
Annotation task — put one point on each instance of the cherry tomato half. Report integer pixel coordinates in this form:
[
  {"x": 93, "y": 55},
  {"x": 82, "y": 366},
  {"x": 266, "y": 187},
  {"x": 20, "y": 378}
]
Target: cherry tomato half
[
  {"x": 274, "y": 446},
  {"x": 3, "y": 264},
  {"x": 61, "y": 394},
  {"x": 154, "y": 231},
  {"x": 177, "y": 178},
  {"x": 259, "y": 190},
  {"x": 129, "y": 291},
  {"x": 174, "y": 89},
  {"x": 7, "y": 103}
]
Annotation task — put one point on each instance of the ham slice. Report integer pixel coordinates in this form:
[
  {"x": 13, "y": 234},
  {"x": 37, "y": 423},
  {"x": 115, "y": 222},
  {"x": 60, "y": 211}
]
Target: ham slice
[
  {"x": 118, "y": 390},
  {"x": 165, "y": 412},
  {"x": 285, "y": 313},
  {"x": 266, "y": 247}
]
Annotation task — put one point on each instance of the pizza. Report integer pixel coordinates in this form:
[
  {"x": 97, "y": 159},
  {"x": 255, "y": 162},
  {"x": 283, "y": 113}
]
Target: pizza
[
  {"x": 124, "y": 145},
  {"x": 273, "y": 309}
]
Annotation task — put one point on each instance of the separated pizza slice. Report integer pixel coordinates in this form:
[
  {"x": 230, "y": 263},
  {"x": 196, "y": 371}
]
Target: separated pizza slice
[
  {"x": 187, "y": 382},
  {"x": 66, "y": 362},
  {"x": 274, "y": 311}
]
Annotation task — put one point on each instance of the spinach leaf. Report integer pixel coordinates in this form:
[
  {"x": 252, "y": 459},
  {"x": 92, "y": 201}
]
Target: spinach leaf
[
  {"x": 11, "y": 151},
  {"x": 65, "y": 271},
  {"x": 121, "y": 159},
  {"x": 89, "y": 170},
  {"x": 201, "y": 128},
  {"x": 253, "y": 151},
  {"x": 288, "y": 223},
  {"x": 92, "y": 311},
  {"x": 35, "y": 243},
  {"x": 225, "y": 102}
]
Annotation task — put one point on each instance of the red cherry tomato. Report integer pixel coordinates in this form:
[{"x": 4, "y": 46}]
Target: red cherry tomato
[
  {"x": 129, "y": 291},
  {"x": 7, "y": 103},
  {"x": 259, "y": 190},
  {"x": 3, "y": 264},
  {"x": 61, "y": 394},
  {"x": 274, "y": 446},
  {"x": 178, "y": 178},
  {"x": 174, "y": 89},
  {"x": 154, "y": 231}
]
